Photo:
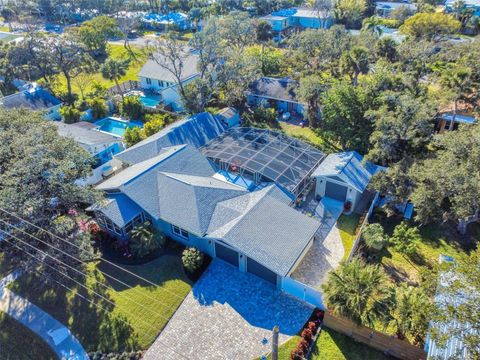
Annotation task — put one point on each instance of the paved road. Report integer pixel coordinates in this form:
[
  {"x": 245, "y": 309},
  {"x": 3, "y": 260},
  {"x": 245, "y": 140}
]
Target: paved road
[
  {"x": 226, "y": 316},
  {"x": 60, "y": 339}
]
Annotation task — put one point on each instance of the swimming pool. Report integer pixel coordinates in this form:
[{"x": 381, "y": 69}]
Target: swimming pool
[
  {"x": 147, "y": 100},
  {"x": 115, "y": 127}
]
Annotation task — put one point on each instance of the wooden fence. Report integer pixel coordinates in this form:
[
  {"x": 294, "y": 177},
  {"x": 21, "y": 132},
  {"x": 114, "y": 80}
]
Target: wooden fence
[
  {"x": 365, "y": 221},
  {"x": 125, "y": 87},
  {"x": 389, "y": 345}
]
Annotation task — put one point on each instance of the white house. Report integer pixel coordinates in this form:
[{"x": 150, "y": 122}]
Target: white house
[
  {"x": 159, "y": 79},
  {"x": 344, "y": 177}
]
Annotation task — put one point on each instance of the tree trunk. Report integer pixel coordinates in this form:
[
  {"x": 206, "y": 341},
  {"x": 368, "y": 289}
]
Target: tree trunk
[
  {"x": 455, "y": 106},
  {"x": 69, "y": 88},
  {"x": 463, "y": 223},
  {"x": 118, "y": 88},
  {"x": 355, "y": 78}
]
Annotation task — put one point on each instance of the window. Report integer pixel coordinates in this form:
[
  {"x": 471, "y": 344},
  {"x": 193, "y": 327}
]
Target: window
[
  {"x": 447, "y": 125},
  {"x": 160, "y": 83},
  {"x": 180, "y": 232},
  {"x": 149, "y": 81}
]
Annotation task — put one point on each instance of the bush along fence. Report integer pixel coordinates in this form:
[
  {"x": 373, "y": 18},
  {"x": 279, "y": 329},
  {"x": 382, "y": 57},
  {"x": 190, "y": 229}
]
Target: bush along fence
[
  {"x": 310, "y": 332},
  {"x": 364, "y": 221}
]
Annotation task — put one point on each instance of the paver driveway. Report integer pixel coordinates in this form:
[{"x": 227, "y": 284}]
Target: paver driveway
[{"x": 227, "y": 315}]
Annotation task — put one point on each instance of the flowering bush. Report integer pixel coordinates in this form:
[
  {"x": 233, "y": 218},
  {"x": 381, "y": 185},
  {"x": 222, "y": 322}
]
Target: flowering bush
[
  {"x": 93, "y": 228},
  {"x": 307, "y": 335}
]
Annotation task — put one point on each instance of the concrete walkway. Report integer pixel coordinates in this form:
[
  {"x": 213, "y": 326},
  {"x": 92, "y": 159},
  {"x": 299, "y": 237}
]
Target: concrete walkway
[
  {"x": 229, "y": 315},
  {"x": 327, "y": 250},
  {"x": 58, "y": 337}
]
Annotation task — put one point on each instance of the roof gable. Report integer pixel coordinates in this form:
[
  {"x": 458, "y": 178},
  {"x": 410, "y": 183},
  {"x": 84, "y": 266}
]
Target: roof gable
[
  {"x": 274, "y": 88},
  {"x": 152, "y": 70}
]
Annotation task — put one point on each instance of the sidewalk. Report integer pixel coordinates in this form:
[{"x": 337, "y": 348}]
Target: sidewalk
[{"x": 60, "y": 339}]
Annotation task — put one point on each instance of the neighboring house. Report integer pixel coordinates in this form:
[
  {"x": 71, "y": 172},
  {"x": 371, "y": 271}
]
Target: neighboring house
[
  {"x": 34, "y": 97},
  {"x": 344, "y": 177},
  {"x": 100, "y": 145},
  {"x": 8, "y": 37},
  {"x": 444, "y": 121},
  {"x": 453, "y": 348},
  {"x": 158, "y": 79},
  {"x": 385, "y": 9},
  {"x": 473, "y": 5},
  {"x": 161, "y": 22},
  {"x": 285, "y": 21},
  {"x": 278, "y": 93}
]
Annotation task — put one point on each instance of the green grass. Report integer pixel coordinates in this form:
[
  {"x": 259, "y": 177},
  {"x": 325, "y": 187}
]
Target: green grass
[
  {"x": 335, "y": 346},
  {"x": 126, "y": 325},
  {"x": 115, "y": 52},
  {"x": 19, "y": 343},
  {"x": 347, "y": 226},
  {"x": 436, "y": 239},
  {"x": 309, "y": 135}
]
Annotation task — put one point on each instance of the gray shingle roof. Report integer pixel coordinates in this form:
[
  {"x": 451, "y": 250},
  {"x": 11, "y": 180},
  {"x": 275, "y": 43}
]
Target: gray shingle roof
[
  {"x": 262, "y": 226},
  {"x": 118, "y": 208},
  {"x": 195, "y": 131},
  {"x": 153, "y": 70},
  {"x": 83, "y": 133},
  {"x": 181, "y": 159},
  {"x": 350, "y": 167},
  {"x": 273, "y": 88}
]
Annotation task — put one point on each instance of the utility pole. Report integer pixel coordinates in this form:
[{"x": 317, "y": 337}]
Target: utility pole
[{"x": 276, "y": 331}]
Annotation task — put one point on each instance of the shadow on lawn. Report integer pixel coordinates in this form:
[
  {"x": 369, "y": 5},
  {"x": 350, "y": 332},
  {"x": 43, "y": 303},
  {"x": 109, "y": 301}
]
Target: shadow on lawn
[{"x": 92, "y": 321}]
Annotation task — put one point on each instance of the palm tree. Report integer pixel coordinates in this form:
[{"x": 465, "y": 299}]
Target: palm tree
[
  {"x": 372, "y": 25},
  {"x": 144, "y": 240},
  {"x": 359, "y": 292},
  {"x": 114, "y": 69},
  {"x": 355, "y": 62},
  {"x": 458, "y": 81}
]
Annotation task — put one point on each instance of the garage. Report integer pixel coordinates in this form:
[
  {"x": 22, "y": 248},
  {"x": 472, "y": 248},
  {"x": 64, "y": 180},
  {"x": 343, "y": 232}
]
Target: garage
[
  {"x": 335, "y": 191},
  {"x": 261, "y": 271},
  {"x": 226, "y": 254}
]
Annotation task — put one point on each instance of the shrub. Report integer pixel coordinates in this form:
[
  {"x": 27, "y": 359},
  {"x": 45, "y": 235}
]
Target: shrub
[
  {"x": 313, "y": 327},
  {"x": 69, "y": 114},
  {"x": 192, "y": 259},
  {"x": 405, "y": 239},
  {"x": 133, "y": 135},
  {"x": 154, "y": 123},
  {"x": 99, "y": 108},
  {"x": 132, "y": 108},
  {"x": 307, "y": 334},
  {"x": 144, "y": 240},
  {"x": 374, "y": 237}
]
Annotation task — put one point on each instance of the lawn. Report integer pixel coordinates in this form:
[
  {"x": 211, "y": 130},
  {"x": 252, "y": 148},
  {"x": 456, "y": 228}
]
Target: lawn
[
  {"x": 335, "y": 346},
  {"x": 436, "y": 239},
  {"x": 331, "y": 345},
  {"x": 115, "y": 52},
  {"x": 19, "y": 343},
  {"x": 137, "y": 315},
  {"x": 307, "y": 134},
  {"x": 347, "y": 226}
]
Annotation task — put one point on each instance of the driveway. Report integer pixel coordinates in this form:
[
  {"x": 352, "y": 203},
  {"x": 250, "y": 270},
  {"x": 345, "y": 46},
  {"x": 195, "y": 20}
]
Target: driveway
[
  {"x": 60, "y": 339},
  {"x": 229, "y": 315}
]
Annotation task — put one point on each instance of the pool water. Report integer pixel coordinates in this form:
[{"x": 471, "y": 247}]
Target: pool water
[
  {"x": 116, "y": 127},
  {"x": 150, "y": 101}
]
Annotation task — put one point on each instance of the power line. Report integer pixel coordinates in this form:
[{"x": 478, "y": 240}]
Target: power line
[
  {"x": 85, "y": 263},
  {"x": 82, "y": 273},
  {"x": 78, "y": 247},
  {"x": 81, "y": 296}
]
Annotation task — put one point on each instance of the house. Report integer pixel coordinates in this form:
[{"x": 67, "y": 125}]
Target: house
[
  {"x": 34, "y": 97},
  {"x": 444, "y": 121},
  {"x": 473, "y": 5},
  {"x": 285, "y": 21},
  {"x": 158, "y": 79},
  {"x": 186, "y": 198},
  {"x": 385, "y": 8},
  {"x": 278, "y": 93},
  {"x": 454, "y": 347},
  {"x": 344, "y": 177},
  {"x": 100, "y": 145},
  {"x": 163, "y": 22}
]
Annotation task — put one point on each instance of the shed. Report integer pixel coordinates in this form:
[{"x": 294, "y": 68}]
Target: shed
[
  {"x": 344, "y": 177},
  {"x": 230, "y": 116}
]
